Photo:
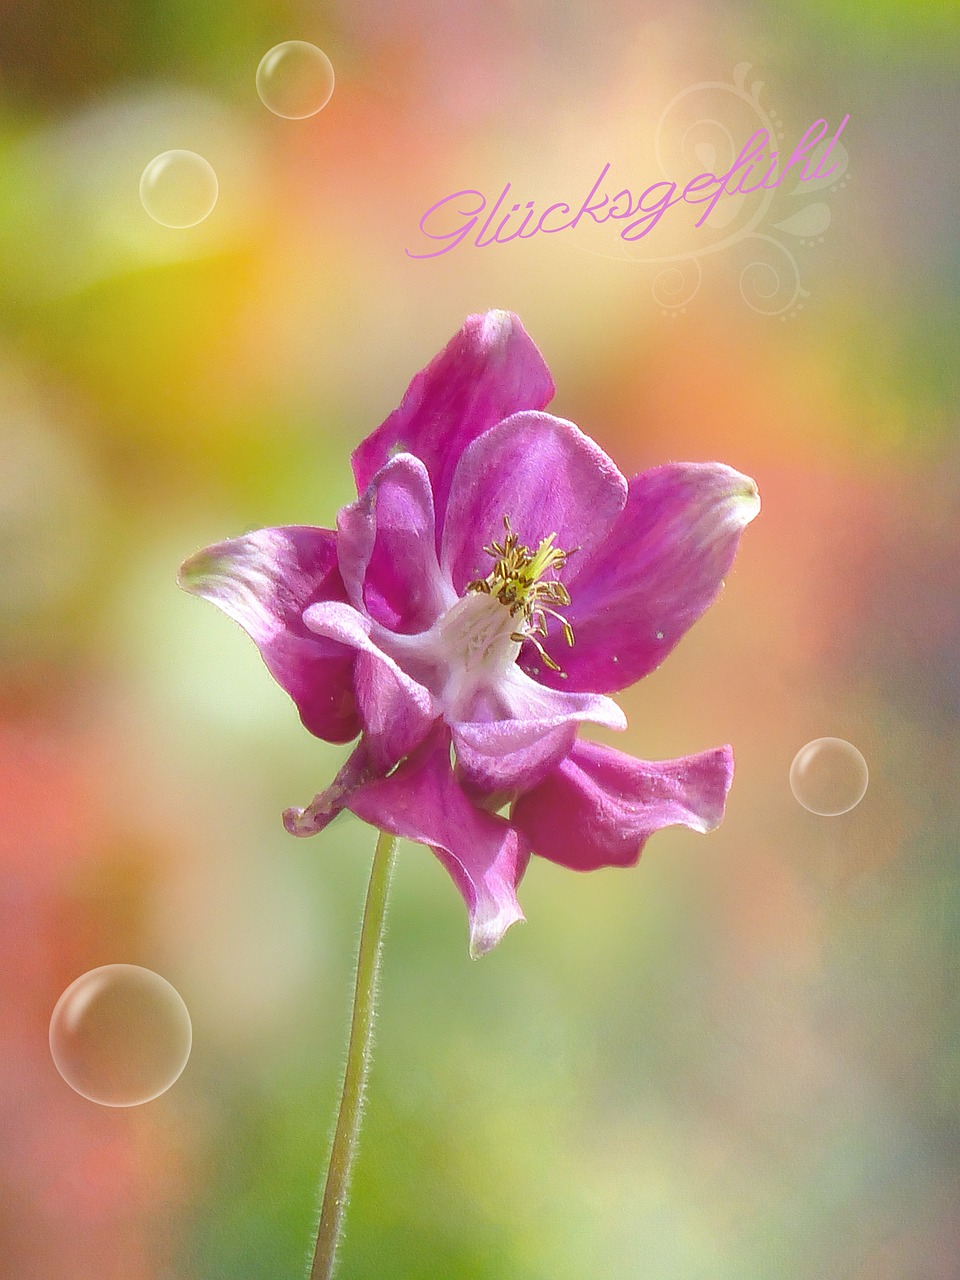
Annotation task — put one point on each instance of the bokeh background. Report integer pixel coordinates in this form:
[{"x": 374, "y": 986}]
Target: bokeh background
[{"x": 739, "y": 1060}]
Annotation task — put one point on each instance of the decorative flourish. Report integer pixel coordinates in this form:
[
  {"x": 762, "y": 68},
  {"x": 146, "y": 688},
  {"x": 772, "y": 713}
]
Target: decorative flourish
[
  {"x": 770, "y": 284},
  {"x": 676, "y": 285},
  {"x": 466, "y": 701}
]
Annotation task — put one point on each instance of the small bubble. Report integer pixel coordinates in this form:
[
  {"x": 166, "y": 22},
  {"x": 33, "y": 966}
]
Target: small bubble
[
  {"x": 295, "y": 79},
  {"x": 829, "y": 776},
  {"x": 178, "y": 189},
  {"x": 120, "y": 1035},
  {"x": 659, "y": 635}
]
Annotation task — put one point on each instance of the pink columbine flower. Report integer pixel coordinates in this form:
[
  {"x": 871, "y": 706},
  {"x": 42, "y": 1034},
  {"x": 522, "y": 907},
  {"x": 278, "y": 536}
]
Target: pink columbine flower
[{"x": 495, "y": 581}]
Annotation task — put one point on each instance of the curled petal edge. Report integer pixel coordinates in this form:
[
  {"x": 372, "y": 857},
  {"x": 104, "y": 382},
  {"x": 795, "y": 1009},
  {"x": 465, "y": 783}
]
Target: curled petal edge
[
  {"x": 484, "y": 854},
  {"x": 598, "y": 807}
]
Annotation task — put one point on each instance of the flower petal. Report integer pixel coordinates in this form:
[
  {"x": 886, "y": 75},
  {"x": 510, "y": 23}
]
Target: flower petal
[
  {"x": 264, "y": 581},
  {"x": 395, "y": 710},
  {"x": 323, "y": 808},
  {"x": 387, "y": 548},
  {"x": 508, "y": 756},
  {"x": 598, "y": 806},
  {"x": 635, "y": 595},
  {"x": 484, "y": 854},
  {"x": 541, "y": 472},
  {"x": 522, "y": 730},
  {"x": 488, "y": 370}
]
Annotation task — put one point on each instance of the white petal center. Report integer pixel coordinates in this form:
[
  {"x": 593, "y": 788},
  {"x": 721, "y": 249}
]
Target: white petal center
[{"x": 468, "y": 650}]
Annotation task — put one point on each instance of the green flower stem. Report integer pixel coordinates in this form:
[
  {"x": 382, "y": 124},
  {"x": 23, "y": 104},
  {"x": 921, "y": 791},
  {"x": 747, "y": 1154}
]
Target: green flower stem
[{"x": 358, "y": 1061}]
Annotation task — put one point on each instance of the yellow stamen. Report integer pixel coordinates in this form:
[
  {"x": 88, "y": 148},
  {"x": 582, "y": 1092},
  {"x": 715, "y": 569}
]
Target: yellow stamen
[{"x": 517, "y": 582}]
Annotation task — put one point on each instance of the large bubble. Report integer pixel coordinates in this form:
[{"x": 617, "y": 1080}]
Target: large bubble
[{"x": 120, "y": 1035}]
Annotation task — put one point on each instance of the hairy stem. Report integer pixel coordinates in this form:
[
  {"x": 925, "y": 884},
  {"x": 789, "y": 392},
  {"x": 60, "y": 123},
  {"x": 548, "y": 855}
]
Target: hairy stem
[{"x": 358, "y": 1061}]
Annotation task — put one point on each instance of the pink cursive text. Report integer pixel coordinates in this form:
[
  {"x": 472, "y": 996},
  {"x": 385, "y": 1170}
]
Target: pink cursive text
[{"x": 456, "y": 217}]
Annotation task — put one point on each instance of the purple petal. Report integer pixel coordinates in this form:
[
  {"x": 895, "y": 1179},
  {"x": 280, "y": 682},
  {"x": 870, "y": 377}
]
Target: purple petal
[
  {"x": 522, "y": 730},
  {"x": 598, "y": 806},
  {"x": 264, "y": 581},
  {"x": 487, "y": 371},
  {"x": 507, "y": 756},
  {"x": 486, "y": 857},
  {"x": 323, "y": 808},
  {"x": 387, "y": 548},
  {"x": 541, "y": 472},
  {"x": 395, "y": 710},
  {"x": 661, "y": 565}
]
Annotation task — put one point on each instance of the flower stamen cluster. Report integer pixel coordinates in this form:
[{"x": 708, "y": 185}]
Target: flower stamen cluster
[{"x": 517, "y": 581}]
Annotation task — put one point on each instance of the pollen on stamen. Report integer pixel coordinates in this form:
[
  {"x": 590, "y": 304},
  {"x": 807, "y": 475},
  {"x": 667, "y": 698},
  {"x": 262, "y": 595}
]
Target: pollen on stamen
[{"x": 517, "y": 581}]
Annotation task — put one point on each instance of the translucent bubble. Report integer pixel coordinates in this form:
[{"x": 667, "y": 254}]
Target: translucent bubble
[
  {"x": 120, "y": 1035},
  {"x": 829, "y": 776},
  {"x": 178, "y": 189},
  {"x": 295, "y": 79}
]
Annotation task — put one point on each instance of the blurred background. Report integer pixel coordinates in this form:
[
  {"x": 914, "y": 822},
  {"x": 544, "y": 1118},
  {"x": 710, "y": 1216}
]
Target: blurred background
[{"x": 739, "y": 1060}]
